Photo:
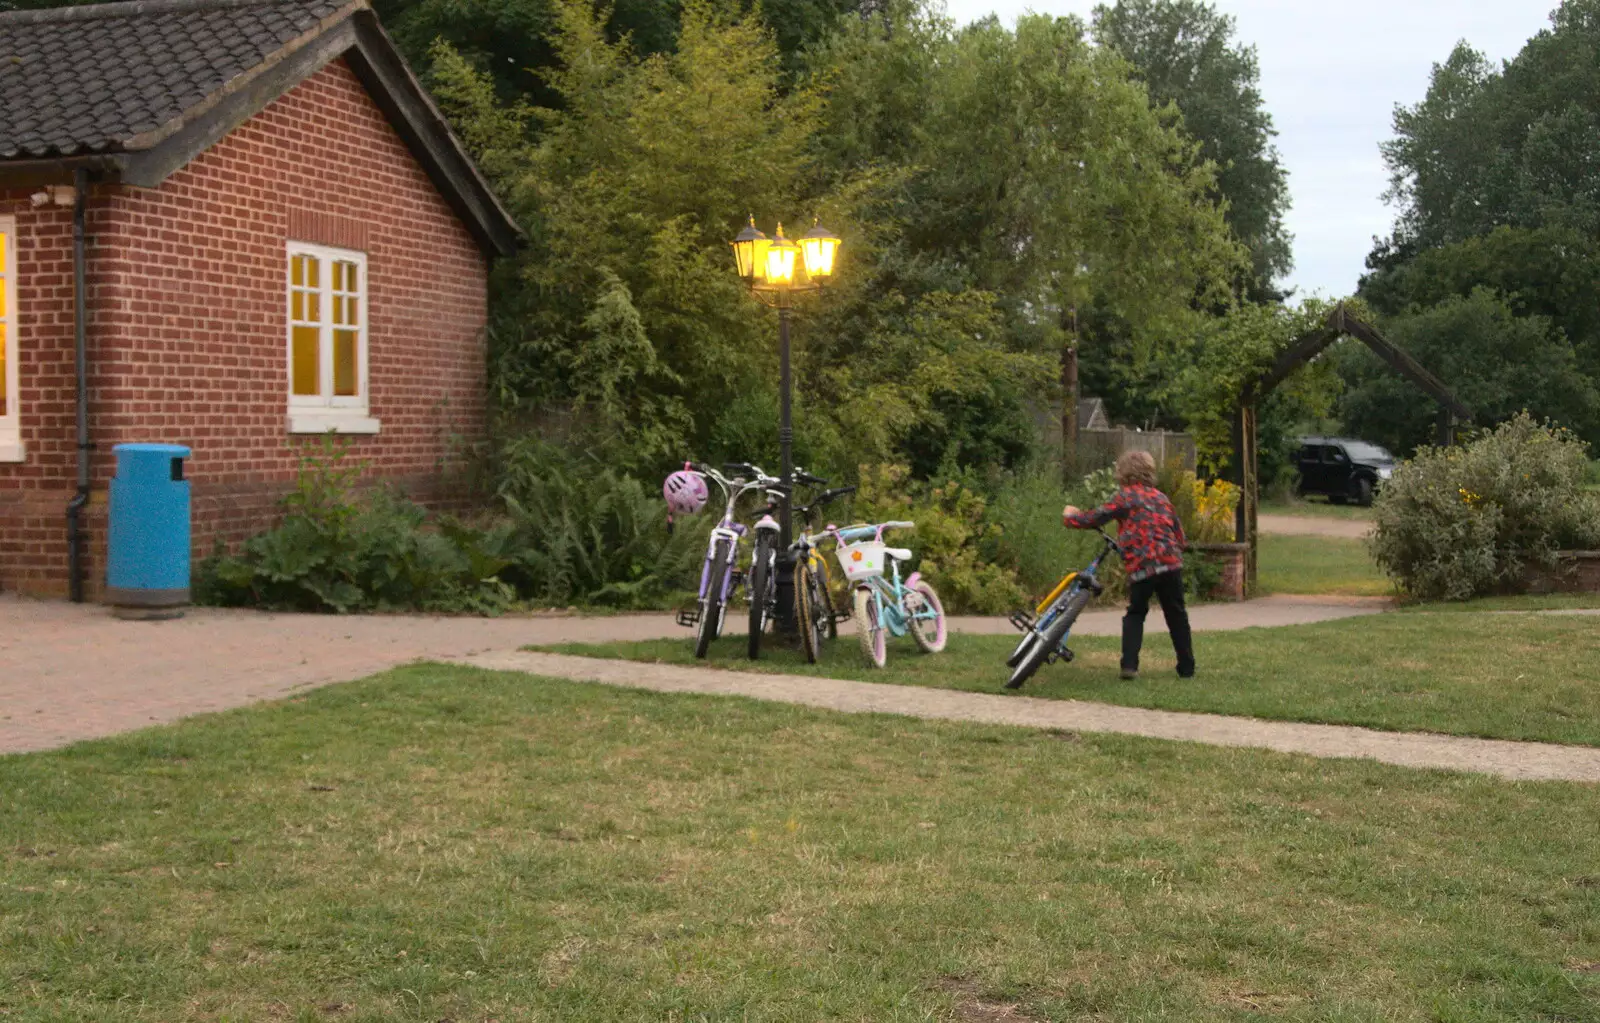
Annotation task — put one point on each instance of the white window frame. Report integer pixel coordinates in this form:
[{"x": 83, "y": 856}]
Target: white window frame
[
  {"x": 11, "y": 448},
  {"x": 327, "y": 412}
]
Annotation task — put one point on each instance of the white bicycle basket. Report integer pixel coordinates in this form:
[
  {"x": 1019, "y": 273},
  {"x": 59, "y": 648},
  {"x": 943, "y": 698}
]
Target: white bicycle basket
[{"x": 861, "y": 561}]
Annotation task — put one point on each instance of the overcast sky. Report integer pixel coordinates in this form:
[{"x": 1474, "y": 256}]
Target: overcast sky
[{"x": 1331, "y": 74}]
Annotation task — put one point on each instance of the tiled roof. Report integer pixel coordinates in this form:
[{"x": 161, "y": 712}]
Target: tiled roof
[{"x": 87, "y": 79}]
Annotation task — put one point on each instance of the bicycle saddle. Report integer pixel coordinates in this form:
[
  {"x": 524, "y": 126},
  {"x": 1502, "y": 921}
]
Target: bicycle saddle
[{"x": 898, "y": 553}]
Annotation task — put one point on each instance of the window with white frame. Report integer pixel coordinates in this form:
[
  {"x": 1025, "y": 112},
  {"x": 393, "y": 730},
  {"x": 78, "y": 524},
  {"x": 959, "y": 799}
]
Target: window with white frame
[
  {"x": 10, "y": 413},
  {"x": 328, "y": 340}
]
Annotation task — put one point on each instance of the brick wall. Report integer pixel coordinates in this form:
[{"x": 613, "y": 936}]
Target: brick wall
[{"x": 187, "y": 322}]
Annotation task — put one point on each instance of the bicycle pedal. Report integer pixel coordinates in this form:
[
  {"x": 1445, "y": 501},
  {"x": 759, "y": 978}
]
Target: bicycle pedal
[
  {"x": 689, "y": 617},
  {"x": 1063, "y": 655},
  {"x": 1022, "y": 621}
]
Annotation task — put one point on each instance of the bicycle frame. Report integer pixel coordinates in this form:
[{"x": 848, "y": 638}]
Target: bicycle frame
[{"x": 727, "y": 529}]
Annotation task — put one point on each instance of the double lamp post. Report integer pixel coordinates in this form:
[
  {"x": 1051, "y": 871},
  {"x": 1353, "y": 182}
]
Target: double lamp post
[{"x": 775, "y": 270}]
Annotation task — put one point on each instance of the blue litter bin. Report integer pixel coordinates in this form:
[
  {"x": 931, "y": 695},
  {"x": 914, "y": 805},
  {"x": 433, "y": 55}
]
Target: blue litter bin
[{"x": 147, "y": 557}]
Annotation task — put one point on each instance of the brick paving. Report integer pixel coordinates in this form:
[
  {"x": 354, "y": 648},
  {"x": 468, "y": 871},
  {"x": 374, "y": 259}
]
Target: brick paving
[{"x": 71, "y": 672}]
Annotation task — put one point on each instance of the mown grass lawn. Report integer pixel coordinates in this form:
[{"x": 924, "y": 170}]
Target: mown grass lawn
[
  {"x": 1319, "y": 565},
  {"x": 442, "y": 843},
  {"x": 1508, "y": 605},
  {"x": 1500, "y": 676}
]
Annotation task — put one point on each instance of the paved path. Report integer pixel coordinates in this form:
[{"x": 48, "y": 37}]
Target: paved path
[
  {"x": 71, "y": 672},
  {"x": 1311, "y": 525},
  {"x": 1523, "y": 761}
]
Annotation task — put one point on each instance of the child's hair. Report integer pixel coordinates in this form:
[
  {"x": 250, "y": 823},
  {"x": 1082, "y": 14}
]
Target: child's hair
[{"x": 1136, "y": 467}]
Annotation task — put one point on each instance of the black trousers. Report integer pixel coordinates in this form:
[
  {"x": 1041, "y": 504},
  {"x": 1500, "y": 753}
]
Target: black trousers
[{"x": 1168, "y": 588}]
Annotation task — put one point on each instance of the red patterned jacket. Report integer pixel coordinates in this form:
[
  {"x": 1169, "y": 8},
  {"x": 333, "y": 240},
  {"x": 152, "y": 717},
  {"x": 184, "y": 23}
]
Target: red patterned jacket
[{"x": 1150, "y": 535}]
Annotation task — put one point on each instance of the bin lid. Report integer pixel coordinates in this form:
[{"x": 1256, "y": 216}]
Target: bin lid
[{"x": 169, "y": 450}]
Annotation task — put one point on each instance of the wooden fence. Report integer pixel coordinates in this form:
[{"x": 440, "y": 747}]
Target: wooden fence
[{"x": 1100, "y": 448}]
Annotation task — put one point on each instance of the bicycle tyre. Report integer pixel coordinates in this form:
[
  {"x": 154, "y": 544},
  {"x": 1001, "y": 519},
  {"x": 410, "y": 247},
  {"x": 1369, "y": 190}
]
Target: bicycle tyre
[
  {"x": 1041, "y": 649},
  {"x": 761, "y": 582},
  {"x": 807, "y": 609},
  {"x": 825, "y": 584},
  {"x": 941, "y": 634},
  {"x": 711, "y": 607},
  {"x": 1028, "y": 639},
  {"x": 873, "y": 636}
]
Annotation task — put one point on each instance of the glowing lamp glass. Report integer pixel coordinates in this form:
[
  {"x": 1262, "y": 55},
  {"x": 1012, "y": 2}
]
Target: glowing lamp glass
[
  {"x": 821, "y": 248},
  {"x": 749, "y": 252},
  {"x": 782, "y": 254}
]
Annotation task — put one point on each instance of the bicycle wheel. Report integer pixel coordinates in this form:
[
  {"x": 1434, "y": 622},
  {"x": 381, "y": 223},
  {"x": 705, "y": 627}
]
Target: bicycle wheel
[
  {"x": 761, "y": 581},
  {"x": 930, "y": 633},
  {"x": 808, "y": 611},
  {"x": 711, "y": 607},
  {"x": 825, "y": 584},
  {"x": 872, "y": 633},
  {"x": 1040, "y": 651},
  {"x": 1023, "y": 646}
]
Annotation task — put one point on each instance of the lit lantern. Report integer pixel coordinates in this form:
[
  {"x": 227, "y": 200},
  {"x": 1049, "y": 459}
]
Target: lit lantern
[
  {"x": 781, "y": 257},
  {"x": 820, "y": 247},
  {"x": 750, "y": 252}
]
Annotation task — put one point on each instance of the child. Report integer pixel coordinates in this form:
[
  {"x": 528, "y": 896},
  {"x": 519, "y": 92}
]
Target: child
[{"x": 1152, "y": 544}]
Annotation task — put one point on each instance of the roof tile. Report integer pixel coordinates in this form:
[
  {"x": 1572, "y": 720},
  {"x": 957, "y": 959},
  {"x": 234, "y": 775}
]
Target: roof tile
[{"x": 92, "y": 77}]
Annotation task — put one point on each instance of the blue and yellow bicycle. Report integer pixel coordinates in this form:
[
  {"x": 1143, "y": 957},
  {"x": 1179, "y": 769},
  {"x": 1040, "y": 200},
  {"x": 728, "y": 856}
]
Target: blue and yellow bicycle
[{"x": 1045, "y": 631}]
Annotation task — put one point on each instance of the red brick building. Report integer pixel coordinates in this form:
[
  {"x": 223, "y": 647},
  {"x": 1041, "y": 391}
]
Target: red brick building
[{"x": 231, "y": 224}]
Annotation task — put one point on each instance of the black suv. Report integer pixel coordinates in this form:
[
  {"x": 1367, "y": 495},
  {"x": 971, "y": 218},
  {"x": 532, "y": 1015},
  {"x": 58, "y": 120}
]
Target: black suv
[{"x": 1343, "y": 469}]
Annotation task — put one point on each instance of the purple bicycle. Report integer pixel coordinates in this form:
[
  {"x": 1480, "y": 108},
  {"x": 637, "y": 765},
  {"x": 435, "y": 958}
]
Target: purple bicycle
[{"x": 718, "y": 576}]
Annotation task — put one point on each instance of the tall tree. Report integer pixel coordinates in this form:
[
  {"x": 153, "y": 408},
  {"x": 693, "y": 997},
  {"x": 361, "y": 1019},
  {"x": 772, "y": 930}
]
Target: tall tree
[
  {"x": 1493, "y": 265},
  {"x": 1184, "y": 51},
  {"x": 1517, "y": 146}
]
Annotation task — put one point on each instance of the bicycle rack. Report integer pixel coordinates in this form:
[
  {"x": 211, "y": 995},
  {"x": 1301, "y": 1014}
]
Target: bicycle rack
[{"x": 689, "y": 617}]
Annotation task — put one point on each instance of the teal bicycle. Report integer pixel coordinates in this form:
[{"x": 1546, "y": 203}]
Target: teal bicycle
[{"x": 882, "y": 604}]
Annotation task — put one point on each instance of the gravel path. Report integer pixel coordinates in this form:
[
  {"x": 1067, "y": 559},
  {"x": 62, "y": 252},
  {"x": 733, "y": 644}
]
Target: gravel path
[
  {"x": 1298, "y": 525},
  {"x": 1520, "y": 761}
]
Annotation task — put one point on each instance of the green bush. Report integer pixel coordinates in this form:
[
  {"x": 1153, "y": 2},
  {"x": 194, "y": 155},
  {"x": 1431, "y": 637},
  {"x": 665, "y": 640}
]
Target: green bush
[
  {"x": 585, "y": 533},
  {"x": 566, "y": 530},
  {"x": 1455, "y": 523},
  {"x": 343, "y": 550},
  {"x": 1025, "y": 516},
  {"x": 950, "y": 539}
]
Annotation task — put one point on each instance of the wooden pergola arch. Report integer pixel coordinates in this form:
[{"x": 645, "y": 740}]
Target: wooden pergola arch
[{"x": 1340, "y": 323}]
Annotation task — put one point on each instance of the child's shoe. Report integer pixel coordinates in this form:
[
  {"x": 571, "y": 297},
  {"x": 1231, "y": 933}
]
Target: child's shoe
[{"x": 1129, "y": 674}]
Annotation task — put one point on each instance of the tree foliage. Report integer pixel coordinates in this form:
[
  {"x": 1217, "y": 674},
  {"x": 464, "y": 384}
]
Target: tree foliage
[
  {"x": 984, "y": 180},
  {"x": 1497, "y": 362},
  {"x": 1184, "y": 52},
  {"x": 1492, "y": 273}
]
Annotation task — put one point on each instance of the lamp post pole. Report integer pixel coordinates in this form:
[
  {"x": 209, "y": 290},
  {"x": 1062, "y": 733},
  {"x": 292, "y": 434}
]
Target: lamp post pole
[
  {"x": 786, "y": 619},
  {"x": 768, "y": 266}
]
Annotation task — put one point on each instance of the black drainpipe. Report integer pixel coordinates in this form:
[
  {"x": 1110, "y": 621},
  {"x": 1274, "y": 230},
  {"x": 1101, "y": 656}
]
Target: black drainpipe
[{"x": 75, "y": 507}]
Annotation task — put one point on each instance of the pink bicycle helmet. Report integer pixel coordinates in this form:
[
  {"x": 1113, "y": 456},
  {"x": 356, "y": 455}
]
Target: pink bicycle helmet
[{"x": 686, "y": 492}]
